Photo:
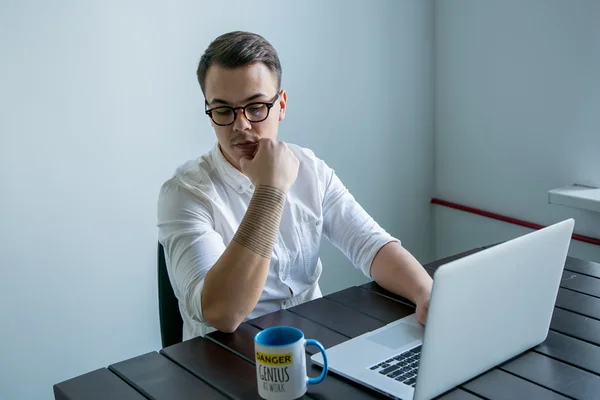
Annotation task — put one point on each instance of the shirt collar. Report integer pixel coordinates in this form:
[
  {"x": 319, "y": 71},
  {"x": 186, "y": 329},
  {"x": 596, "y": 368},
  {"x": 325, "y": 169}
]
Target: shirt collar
[{"x": 234, "y": 178}]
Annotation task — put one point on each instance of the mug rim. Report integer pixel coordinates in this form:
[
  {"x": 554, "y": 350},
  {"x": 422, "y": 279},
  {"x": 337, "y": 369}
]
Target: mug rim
[{"x": 259, "y": 335}]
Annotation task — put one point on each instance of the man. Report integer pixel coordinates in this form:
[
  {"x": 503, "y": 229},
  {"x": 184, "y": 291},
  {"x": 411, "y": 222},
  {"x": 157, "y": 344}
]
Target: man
[{"x": 241, "y": 226}]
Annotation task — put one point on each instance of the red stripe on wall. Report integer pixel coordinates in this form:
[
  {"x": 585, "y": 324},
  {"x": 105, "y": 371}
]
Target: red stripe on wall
[{"x": 504, "y": 218}]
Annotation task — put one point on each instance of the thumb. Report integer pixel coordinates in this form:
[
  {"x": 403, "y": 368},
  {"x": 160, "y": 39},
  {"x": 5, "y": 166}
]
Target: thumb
[{"x": 245, "y": 162}]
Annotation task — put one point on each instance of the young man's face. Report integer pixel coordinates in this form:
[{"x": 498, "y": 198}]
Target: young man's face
[{"x": 237, "y": 88}]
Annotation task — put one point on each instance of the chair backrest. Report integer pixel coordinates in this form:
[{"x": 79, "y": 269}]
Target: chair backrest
[{"x": 171, "y": 324}]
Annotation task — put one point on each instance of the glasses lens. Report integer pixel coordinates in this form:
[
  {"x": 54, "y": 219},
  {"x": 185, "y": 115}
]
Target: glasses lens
[
  {"x": 256, "y": 112},
  {"x": 222, "y": 115}
]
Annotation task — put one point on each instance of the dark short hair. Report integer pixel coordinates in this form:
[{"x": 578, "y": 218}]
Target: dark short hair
[{"x": 239, "y": 49}]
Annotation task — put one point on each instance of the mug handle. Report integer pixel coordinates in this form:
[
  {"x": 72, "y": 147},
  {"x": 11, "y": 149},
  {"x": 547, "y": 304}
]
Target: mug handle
[{"x": 318, "y": 379}]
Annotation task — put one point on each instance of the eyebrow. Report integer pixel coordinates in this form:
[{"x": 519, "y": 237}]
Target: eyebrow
[{"x": 253, "y": 97}]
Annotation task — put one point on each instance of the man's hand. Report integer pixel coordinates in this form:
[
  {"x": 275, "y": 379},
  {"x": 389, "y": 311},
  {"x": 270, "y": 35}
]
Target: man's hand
[
  {"x": 274, "y": 164},
  {"x": 422, "y": 309}
]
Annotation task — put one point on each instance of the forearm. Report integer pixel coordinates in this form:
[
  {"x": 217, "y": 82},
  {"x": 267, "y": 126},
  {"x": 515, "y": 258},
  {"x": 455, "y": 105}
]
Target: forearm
[
  {"x": 234, "y": 284},
  {"x": 396, "y": 270}
]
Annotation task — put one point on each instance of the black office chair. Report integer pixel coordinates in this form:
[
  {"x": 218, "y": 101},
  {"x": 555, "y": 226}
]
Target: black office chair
[{"x": 171, "y": 324}]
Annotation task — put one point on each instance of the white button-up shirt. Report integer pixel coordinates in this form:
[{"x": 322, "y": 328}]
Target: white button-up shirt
[{"x": 202, "y": 205}]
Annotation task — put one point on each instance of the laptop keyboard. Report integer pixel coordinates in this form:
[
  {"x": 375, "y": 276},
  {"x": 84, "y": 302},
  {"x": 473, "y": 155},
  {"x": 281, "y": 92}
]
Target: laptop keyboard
[{"x": 402, "y": 368}]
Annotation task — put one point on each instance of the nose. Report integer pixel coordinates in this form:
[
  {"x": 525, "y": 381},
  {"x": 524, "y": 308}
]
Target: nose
[{"x": 241, "y": 123}]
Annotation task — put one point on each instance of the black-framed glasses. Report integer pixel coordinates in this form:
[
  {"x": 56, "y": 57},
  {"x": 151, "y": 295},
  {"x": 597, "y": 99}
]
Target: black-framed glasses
[{"x": 254, "y": 112}]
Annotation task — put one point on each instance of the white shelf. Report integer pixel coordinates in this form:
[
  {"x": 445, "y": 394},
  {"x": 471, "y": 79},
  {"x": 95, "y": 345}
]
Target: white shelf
[{"x": 576, "y": 196}]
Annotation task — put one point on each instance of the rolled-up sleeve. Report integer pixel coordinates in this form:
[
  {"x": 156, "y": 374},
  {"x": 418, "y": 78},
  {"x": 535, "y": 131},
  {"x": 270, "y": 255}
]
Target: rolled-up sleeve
[
  {"x": 191, "y": 244},
  {"x": 348, "y": 226}
]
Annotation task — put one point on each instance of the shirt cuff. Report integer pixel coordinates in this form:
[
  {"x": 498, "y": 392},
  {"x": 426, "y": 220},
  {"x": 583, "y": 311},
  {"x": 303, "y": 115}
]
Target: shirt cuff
[
  {"x": 367, "y": 261},
  {"x": 195, "y": 302}
]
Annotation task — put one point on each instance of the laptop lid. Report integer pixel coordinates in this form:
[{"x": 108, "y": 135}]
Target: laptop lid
[{"x": 491, "y": 306}]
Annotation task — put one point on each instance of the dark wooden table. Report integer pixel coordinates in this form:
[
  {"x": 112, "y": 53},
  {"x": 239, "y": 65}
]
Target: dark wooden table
[{"x": 566, "y": 365}]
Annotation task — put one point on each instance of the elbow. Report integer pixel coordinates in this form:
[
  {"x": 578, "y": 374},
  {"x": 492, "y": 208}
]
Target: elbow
[
  {"x": 221, "y": 320},
  {"x": 228, "y": 327}
]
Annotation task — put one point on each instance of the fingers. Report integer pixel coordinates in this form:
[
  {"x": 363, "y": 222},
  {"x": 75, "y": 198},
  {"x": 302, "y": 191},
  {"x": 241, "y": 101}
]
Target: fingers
[
  {"x": 263, "y": 145},
  {"x": 271, "y": 146},
  {"x": 423, "y": 317}
]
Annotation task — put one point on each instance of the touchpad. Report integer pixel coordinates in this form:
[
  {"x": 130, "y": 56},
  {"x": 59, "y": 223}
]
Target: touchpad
[{"x": 397, "y": 336}]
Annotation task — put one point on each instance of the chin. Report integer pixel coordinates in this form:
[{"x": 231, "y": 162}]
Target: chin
[
  {"x": 244, "y": 153},
  {"x": 235, "y": 155}
]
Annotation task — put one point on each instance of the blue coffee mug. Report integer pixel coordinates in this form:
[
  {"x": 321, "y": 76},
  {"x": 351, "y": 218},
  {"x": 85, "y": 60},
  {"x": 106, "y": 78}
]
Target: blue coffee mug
[{"x": 281, "y": 363}]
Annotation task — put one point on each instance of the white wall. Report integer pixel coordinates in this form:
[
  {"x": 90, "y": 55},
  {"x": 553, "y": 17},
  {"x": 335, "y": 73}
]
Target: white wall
[
  {"x": 517, "y": 113},
  {"x": 372, "y": 70},
  {"x": 100, "y": 104}
]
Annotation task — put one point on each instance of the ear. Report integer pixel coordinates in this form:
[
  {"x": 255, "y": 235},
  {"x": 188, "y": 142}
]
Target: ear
[{"x": 282, "y": 104}]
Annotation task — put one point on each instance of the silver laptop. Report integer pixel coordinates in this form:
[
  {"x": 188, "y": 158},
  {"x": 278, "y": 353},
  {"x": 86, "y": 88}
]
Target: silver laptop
[{"x": 485, "y": 309}]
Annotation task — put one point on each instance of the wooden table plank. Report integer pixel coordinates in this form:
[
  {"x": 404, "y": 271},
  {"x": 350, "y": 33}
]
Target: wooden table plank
[
  {"x": 241, "y": 342},
  {"x": 576, "y": 325},
  {"x": 375, "y": 288},
  {"x": 159, "y": 378},
  {"x": 571, "y": 351},
  {"x": 581, "y": 283},
  {"x": 327, "y": 337},
  {"x": 378, "y": 307},
  {"x": 333, "y": 387},
  {"x": 458, "y": 394},
  {"x": 583, "y": 267},
  {"x": 560, "y": 377},
  {"x": 498, "y": 384},
  {"x": 100, "y": 384},
  {"x": 217, "y": 366},
  {"x": 579, "y": 303},
  {"x": 337, "y": 317}
]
